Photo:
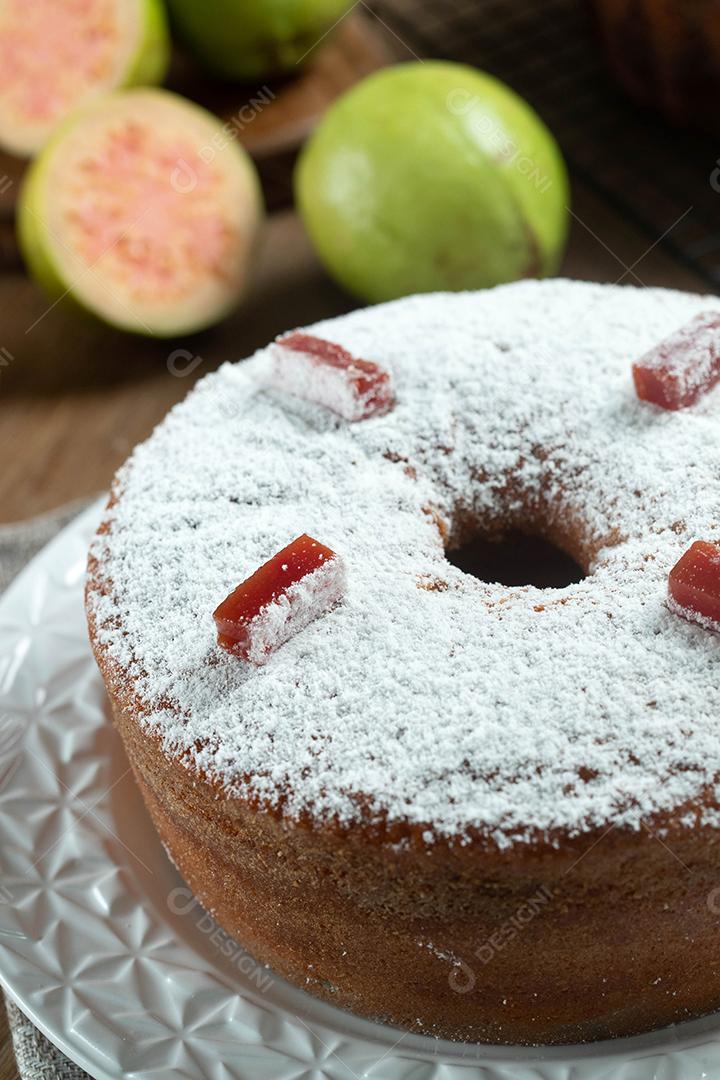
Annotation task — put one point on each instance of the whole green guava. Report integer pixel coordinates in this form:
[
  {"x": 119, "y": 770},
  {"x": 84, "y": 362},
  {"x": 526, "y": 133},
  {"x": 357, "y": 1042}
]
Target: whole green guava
[
  {"x": 432, "y": 176},
  {"x": 248, "y": 39}
]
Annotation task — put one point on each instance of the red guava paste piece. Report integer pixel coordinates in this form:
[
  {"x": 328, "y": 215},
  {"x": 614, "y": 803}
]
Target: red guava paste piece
[
  {"x": 325, "y": 373},
  {"x": 695, "y": 585},
  {"x": 288, "y": 592},
  {"x": 684, "y": 366}
]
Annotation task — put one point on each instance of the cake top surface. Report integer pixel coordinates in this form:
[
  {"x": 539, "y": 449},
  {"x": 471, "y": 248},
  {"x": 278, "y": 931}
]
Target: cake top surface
[{"x": 427, "y": 695}]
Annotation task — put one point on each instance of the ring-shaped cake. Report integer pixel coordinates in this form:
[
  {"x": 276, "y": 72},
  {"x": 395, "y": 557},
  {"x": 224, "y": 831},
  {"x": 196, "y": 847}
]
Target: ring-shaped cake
[{"x": 474, "y": 810}]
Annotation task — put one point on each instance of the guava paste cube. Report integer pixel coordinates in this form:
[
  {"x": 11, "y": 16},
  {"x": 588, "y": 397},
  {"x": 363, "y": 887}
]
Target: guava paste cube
[
  {"x": 325, "y": 373},
  {"x": 695, "y": 585},
  {"x": 683, "y": 367},
  {"x": 289, "y": 591}
]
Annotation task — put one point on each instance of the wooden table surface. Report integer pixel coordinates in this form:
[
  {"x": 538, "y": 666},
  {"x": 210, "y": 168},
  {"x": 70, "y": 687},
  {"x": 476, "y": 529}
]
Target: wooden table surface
[{"x": 75, "y": 398}]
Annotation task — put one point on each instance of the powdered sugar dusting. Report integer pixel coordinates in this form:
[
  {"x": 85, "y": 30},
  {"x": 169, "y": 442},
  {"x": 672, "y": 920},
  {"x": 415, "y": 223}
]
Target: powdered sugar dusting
[
  {"x": 711, "y": 625},
  {"x": 469, "y": 706}
]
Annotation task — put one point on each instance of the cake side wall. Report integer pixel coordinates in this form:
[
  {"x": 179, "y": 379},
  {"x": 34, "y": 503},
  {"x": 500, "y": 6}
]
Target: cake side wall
[{"x": 515, "y": 946}]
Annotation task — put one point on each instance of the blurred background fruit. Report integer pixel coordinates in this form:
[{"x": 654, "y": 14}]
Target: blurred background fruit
[
  {"x": 56, "y": 56},
  {"x": 143, "y": 211},
  {"x": 247, "y": 39},
  {"x": 433, "y": 176},
  {"x": 666, "y": 53}
]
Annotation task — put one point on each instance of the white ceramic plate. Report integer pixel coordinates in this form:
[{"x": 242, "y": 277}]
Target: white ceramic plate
[{"x": 103, "y": 946}]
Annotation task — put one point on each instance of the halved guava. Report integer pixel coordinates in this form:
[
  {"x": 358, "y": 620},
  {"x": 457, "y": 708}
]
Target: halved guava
[
  {"x": 56, "y": 55},
  {"x": 143, "y": 210},
  {"x": 248, "y": 39}
]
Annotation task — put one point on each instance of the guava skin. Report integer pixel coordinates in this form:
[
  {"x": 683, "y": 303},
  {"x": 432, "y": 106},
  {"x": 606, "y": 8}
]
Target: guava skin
[
  {"x": 153, "y": 57},
  {"x": 432, "y": 176},
  {"x": 250, "y": 39},
  {"x": 37, "y": 246}
]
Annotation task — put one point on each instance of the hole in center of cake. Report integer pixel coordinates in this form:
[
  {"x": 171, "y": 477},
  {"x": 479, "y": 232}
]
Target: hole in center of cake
[{"x": 515, "y": 559}]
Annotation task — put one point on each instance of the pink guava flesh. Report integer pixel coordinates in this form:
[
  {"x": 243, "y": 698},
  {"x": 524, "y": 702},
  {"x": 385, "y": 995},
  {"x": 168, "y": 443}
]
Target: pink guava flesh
[
  {"x": 53, "y": 53},
  {"x": 126, "y": 219}
]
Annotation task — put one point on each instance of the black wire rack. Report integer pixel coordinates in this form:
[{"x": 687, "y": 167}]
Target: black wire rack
[{"x": 548, "y": 52}]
